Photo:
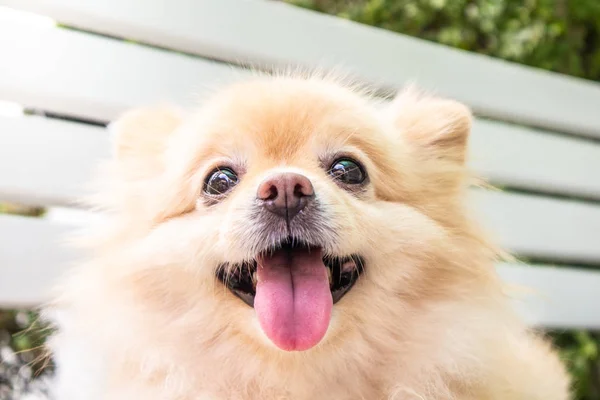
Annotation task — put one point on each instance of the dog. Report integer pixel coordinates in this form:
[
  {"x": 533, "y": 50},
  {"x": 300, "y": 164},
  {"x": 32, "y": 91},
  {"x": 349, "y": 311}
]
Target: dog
[{"x": 294, "y": 237}]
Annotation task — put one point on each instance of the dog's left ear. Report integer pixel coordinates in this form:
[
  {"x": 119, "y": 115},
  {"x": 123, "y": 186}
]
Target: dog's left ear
[
  {"x": 436, "y": 126},
  {"x": 140, "y": 137}
]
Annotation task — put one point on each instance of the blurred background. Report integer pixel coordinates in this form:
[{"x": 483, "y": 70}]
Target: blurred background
[
  {"x": 556, "y": 35},
  {"x": 562, "y": 36}
]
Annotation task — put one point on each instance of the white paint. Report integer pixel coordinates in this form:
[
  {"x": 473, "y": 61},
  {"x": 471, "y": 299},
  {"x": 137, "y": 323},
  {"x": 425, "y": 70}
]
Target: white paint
[
  {"x": 10, "y": 109},
  {"x": 14, "y": 17}
]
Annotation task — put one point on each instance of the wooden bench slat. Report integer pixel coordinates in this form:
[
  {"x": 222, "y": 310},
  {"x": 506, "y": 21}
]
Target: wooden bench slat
[
  {"x": 525, "y": 158},
  {"x": 97, "y": 78},
  {"x": 542, "y": 227},
  {"x": 46, "y": 161},
  {"x": 558, "y": 297},
  {"x": 272, "y": 33},
  {"x": 33, "y": 259},
  {"x": 55, "y": 169}
]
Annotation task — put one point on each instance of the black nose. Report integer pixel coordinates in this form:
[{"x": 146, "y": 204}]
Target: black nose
[{"x": 286, "y": 194}]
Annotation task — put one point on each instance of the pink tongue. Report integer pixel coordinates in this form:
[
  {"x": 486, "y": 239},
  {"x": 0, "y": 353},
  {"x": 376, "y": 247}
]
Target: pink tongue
[{"x": 293, "y": 300}]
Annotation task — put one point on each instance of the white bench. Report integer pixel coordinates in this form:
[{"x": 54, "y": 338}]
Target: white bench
[{"x": 549, "y": 212}]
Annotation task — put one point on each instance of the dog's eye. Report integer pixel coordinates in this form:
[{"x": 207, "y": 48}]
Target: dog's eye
[
  {"x": 347, "y": 171},
  {"x": 220, "y": 181}
]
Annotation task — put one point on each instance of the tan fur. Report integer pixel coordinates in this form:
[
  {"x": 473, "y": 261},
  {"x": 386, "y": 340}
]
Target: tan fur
[{"x": 428, "y": 320}]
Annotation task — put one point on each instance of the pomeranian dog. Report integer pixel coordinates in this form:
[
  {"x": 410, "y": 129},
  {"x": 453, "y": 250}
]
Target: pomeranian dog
[{"x": 293, "y": 238}]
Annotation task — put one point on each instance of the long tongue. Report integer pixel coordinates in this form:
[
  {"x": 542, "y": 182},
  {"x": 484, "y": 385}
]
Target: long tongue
[{"x": 293, "y": 300}]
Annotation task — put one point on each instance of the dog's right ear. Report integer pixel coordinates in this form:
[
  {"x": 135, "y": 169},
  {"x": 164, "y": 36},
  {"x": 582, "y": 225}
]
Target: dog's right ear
[
  {"x": 140, "y": 137},
  {"x": 433, "y": 126}
]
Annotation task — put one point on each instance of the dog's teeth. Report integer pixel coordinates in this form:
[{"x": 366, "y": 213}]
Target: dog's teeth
[
  {"x": 254, "y": 280},
  {"x": 329, "y": 276}
]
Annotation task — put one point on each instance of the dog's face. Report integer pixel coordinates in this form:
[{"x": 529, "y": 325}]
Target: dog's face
[{"x": 297, "y": 211}]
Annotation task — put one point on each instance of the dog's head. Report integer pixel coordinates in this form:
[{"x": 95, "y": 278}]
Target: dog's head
[{"x": 301, "y": 209}]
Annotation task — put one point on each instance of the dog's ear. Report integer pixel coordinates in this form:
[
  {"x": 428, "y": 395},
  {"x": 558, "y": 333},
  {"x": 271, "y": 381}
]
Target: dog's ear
[
  {"x": 438, "y": 127},
  {"x": 140, "y": 137}
]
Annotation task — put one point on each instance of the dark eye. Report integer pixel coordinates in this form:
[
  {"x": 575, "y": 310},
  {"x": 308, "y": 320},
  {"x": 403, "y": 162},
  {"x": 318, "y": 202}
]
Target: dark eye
[
  {"x": 220, "y": 181},
  {"x": 347, "y": 171}
]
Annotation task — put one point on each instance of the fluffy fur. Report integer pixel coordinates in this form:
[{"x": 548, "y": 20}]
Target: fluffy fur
[{"x": 144, "y": 317}]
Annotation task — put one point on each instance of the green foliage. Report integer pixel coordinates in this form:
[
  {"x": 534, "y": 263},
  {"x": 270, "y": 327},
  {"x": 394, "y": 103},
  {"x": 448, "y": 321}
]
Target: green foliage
[
  {"x": 557, "y": 35},
  {"x": 580, "y": 352},
  {"x": 26, "y": 336}
]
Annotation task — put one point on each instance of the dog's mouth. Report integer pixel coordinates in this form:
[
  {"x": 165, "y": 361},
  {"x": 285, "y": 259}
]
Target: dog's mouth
[
  {"x": 342, "y": 272},
  {"x": 292, "y": 287}
]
